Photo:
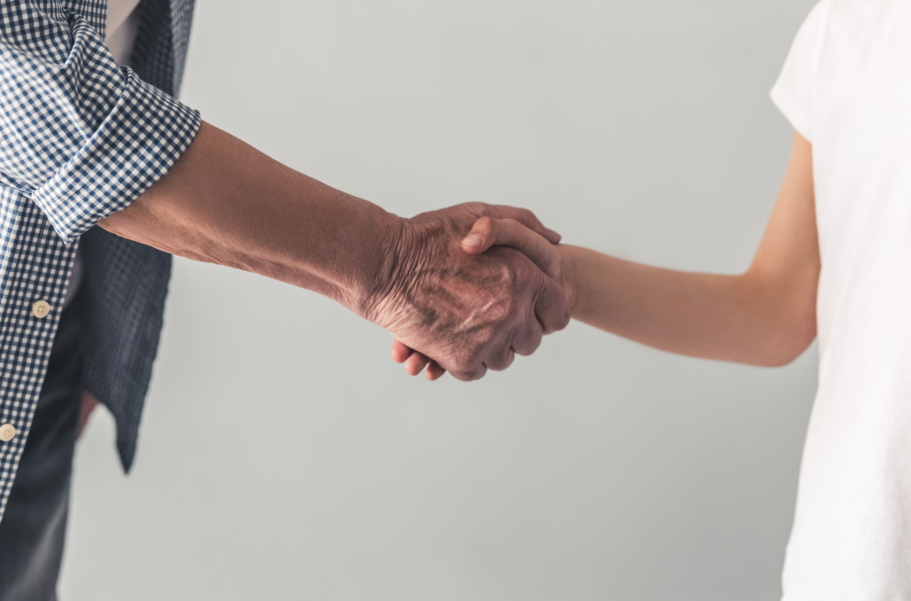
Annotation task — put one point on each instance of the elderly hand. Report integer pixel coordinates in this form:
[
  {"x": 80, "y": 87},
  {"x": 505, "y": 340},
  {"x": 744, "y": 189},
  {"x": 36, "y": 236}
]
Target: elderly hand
[
  {"x": 470, "y": 312},
  {"x": 491, "y": 285},
  {"x": 227, "y": 203}
]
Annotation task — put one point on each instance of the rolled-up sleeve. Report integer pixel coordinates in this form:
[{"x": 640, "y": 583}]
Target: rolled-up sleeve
[{"x": 83, "y": 136}]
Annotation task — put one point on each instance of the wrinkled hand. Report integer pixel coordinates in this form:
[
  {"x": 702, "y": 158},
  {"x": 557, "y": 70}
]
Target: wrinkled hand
[
  {"x": 469, "y": 311},
  {"x": 485, "y": 233}
]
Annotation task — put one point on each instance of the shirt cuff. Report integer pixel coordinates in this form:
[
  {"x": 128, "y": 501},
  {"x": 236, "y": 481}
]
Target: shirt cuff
[{"x": 136, "y": 144}]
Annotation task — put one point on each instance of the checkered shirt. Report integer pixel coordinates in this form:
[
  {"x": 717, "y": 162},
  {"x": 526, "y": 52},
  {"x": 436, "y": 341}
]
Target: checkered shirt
[{"x": 81, "y": 138}]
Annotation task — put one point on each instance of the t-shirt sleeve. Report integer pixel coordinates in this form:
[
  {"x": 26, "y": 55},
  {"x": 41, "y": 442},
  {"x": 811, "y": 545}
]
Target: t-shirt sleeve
[{"x": 793, "y": 93}]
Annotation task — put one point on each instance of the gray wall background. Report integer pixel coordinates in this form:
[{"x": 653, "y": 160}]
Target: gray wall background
[{"x": 284, "y": 456}]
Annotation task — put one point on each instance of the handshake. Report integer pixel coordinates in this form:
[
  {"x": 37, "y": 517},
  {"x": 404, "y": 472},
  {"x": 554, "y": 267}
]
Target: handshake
[
  {"x": 463, "y": 289},
  {"x": 469, "y": 287}
]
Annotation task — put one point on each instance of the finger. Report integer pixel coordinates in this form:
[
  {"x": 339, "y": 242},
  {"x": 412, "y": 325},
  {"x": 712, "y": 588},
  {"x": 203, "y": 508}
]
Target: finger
[
  {"x": 501, "y": 360},
  {"x": 526, "y": 218},
  {"x": 552, "y": 307},
  {"x": 416, "y": 363},
  {"x": 488, "y": 232},
  {"x": 434, "y": 371},
  {"x": 469, "y": 375},
  {"x": 530, "y": 339},
  {"x": 400, "y": 351}
]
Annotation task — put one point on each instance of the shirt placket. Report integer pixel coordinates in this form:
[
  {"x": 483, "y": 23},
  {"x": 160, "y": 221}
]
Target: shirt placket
[{"x": 35, "y": 269}]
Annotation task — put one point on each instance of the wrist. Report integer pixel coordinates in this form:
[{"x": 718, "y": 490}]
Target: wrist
[
  {"x": 569, "y": 275},
  {"x": 391, "y": 258}
]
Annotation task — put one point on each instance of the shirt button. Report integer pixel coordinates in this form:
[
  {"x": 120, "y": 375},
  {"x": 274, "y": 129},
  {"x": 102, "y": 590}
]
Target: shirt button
[
  {"x": 41, "y": 309},
  {"x": 7, "y": 432}
]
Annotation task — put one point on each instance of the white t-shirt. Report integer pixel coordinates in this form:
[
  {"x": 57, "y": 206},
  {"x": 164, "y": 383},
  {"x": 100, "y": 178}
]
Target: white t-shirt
[
  {"x": 121, "y": 24},
  {"x": 846, "y": 87}
]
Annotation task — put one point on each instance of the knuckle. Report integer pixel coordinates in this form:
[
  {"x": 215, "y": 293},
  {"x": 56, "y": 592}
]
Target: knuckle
[
  {"x": 473, "y": 362},
  {"x": 533, "y": 343},
  {"x": 470, "y": 375},
  {"x": 485, "y": 223},
  {"x": 460, "y": 376},
  {"x": 524, "y": 272},
  {"x": 503, "y": 361},
  {"x": 528, "y": 343},
  {"x": 470, "y": 360}
]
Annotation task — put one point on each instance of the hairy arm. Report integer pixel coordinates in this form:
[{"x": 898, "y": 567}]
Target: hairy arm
[{"x": 225, "y": 202}]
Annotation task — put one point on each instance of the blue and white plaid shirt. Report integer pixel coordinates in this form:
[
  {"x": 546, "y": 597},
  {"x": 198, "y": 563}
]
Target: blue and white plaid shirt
[{"x": 81, "y": 138}]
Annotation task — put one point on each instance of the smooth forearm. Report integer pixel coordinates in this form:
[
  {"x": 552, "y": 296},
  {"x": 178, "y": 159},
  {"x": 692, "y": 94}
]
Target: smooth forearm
[
  {"x": 747, "y": 318},
  {"x": 225, "y": 202}
]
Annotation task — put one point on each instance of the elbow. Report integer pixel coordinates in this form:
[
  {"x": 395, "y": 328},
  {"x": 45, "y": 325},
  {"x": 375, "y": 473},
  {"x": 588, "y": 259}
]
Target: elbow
[
  {"x": 785, "y": 353},
  {"x": 787, "y": 341},
  {"x": 783, "y": 315}
]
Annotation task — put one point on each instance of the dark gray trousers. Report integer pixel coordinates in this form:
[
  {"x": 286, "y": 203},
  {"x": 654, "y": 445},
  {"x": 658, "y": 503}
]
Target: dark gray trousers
[{"x": 34, "y": 524}]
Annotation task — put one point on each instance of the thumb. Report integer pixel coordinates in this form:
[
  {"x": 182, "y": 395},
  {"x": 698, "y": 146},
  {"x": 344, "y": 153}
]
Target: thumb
[{"x": 488, "y": 232}]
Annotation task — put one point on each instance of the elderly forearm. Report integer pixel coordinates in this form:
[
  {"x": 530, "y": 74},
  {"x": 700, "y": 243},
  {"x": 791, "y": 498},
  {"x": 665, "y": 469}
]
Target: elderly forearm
[{"x": 225, "y": 202}]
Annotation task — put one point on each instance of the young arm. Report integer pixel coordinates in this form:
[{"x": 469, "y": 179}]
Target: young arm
[{"x": 765, "y": 316}]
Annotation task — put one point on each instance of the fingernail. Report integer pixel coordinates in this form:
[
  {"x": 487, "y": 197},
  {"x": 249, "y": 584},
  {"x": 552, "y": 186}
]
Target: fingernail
[
  {"x": 556, "y": 237},
  {"x": 473, "y": 240}
]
